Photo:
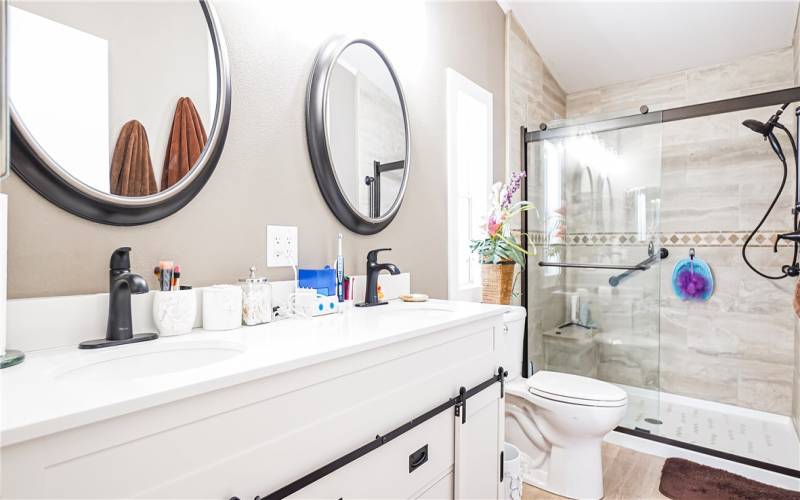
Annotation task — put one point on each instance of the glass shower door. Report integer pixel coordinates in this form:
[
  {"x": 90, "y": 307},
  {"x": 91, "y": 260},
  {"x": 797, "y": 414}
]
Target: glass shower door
[{"x": 598, "y": 201}]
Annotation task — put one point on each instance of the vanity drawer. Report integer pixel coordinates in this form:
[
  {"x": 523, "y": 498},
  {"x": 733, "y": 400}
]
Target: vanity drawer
[{"x": 384, "y": 473}]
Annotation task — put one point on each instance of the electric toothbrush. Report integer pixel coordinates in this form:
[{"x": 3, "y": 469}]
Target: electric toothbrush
[{"x": 340, "y": 272}]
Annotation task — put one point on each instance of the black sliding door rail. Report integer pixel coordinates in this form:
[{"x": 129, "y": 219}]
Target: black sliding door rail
[
  {"x": 774, "y": 98},
  {"x": 459, "y": 403}
]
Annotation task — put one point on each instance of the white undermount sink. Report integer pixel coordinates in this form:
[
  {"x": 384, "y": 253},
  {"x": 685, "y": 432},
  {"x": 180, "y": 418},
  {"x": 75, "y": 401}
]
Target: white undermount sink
[{"x": 146, "y": 359}]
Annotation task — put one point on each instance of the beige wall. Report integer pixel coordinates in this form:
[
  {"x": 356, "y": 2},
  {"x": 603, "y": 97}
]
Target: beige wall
[
  {"x": 264, "y": 176},
  {"x": 717, "y": 179}
]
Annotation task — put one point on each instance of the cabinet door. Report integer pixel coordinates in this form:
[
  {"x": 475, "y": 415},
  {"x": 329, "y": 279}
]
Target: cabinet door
[{"x": 478, "y": 443}]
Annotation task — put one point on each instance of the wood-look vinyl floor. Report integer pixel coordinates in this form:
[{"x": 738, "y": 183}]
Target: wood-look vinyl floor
[{"x": 627, "y": 475}]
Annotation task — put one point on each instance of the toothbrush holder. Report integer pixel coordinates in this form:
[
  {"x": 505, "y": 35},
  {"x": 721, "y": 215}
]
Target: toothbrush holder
[{"x": 174, "y": 312}]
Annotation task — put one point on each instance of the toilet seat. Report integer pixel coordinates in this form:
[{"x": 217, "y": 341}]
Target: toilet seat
[{"x": 575, "y": 390}]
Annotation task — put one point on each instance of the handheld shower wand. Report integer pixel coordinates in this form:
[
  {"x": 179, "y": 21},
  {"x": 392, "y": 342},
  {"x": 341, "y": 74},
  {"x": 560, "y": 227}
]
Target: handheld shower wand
[{"x": 767, "y": 130}]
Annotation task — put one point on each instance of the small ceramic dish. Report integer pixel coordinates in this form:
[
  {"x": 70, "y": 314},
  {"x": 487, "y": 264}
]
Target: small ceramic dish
[{"x": 414, "y": 297}]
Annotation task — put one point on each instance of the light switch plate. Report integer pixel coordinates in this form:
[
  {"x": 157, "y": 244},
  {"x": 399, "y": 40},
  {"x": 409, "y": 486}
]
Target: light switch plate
[{"x": 281, "y": 246}]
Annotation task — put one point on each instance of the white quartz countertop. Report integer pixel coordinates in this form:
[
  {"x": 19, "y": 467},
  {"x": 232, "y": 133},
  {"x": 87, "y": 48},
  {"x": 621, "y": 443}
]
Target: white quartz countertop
[{"x": 42, "y": 396}]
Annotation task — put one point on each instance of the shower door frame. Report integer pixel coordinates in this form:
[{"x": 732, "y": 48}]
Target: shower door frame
[{"x": 647, "y": 117}]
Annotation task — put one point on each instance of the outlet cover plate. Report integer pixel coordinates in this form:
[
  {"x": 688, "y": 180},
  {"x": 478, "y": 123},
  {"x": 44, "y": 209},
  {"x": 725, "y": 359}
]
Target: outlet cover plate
[{"x": 281, "y": 246}]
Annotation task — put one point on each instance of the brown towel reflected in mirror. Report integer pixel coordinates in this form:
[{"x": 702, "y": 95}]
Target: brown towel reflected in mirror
[
  {"x": 186, "y": 141},
  {"x": 131, "y": 168}
]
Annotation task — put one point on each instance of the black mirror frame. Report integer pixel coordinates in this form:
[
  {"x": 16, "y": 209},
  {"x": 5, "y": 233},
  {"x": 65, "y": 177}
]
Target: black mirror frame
[
  {"x": 316, "y": 134},
  {"x": 33, "y": 167}
]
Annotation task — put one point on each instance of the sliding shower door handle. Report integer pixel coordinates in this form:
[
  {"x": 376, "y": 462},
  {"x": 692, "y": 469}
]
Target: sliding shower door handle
[
  {"x": 580, "y": 265},
  {"x": 644, "y": 265}
]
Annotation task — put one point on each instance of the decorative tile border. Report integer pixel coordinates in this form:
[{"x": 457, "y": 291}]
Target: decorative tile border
[{"x": 678, "y": 239}]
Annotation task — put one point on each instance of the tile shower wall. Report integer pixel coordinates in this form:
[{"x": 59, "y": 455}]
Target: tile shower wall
[
  {"x": 796, "y": 393},
  {"x": 796, "y": 398},
  {"x": 717, "y": 179},
  {"x": 534, "y": 97}
]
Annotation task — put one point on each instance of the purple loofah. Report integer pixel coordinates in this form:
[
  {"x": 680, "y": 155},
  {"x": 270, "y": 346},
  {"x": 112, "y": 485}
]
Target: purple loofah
[{"x": 693, "y": 285}]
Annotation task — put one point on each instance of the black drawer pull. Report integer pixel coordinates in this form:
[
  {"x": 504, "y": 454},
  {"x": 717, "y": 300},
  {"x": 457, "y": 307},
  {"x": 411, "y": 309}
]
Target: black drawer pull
[{"x": 417, "y": 458}]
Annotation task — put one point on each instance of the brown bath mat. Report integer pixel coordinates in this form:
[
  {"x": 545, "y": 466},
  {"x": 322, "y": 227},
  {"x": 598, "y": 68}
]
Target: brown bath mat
[{"x": 685, "y": 480}]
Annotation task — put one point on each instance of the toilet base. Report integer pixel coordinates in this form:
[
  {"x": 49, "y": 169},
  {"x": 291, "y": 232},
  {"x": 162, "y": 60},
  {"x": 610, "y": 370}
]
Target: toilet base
[{"x": 573, "y": 472}]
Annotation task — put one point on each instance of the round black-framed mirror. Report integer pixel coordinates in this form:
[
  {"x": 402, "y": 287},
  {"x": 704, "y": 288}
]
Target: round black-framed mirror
[
  {"x": 34, "y": 164},
  {"x": 358, "y": 133}
]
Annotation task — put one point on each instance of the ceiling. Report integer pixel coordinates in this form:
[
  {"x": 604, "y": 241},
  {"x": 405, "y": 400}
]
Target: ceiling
[{"x": 592, "y": 44}]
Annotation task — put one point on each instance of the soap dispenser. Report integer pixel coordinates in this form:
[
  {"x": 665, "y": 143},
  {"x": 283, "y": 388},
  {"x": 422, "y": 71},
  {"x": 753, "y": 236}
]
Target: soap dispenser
[{"x": 256, "y": 299}]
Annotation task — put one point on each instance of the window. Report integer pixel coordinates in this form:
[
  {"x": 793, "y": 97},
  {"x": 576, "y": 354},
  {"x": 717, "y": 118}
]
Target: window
[{"x": 469, "y": 177}]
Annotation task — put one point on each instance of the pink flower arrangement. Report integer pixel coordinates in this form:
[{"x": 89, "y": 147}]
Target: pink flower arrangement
[{"x": 500, "y": 245}]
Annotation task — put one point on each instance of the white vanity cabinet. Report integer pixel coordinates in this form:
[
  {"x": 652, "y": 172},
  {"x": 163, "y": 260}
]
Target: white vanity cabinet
[{"x": 252, "y": 438}]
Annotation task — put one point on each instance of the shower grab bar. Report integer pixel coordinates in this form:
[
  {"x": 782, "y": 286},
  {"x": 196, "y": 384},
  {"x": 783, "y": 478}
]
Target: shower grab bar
[
  {"x": 641, "y": 266},
  {"x": 644, "y": 265}
]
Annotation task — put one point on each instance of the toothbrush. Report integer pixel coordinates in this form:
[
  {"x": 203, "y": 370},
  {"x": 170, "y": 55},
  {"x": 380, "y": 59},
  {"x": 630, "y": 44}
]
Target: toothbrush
[{"x": 340, "y": 272}]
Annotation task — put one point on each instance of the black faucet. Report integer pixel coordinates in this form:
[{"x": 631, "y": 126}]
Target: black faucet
[
  {"x": 122, "y": 283},
  {"x": 373, "y": 270}
]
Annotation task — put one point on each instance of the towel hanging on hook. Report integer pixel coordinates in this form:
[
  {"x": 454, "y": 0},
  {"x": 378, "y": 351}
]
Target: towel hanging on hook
[
  {"x": 187, "y": 138},
  {"x": 692, "y": 279}
]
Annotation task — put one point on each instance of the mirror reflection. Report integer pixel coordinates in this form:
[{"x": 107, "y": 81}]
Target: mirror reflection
[
  {"x": 366, "y": 131},
  {"x": 118, "y": 96}
]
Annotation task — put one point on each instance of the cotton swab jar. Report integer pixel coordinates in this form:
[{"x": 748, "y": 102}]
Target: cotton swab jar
[{"x": 256, "y": 299}]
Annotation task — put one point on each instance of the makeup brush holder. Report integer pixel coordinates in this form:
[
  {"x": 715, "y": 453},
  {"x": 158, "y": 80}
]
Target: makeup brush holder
[
  {"x": 174, "y": 312},
  {"x": 222, "y": 307}
]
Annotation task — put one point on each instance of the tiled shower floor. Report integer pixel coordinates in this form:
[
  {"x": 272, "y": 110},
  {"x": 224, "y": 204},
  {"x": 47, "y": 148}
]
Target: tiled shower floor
[{"x": 749, "y": 433}]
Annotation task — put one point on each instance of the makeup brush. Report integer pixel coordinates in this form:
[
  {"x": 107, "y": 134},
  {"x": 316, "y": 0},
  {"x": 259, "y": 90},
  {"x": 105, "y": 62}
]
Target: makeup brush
[
  {"x": 176, "y": 278},
  {"x": 165, "y": 281}
]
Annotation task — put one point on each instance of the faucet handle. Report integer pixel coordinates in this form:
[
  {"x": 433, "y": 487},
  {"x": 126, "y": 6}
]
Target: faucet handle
[
  {"x": 120, "y": 259},
  {"x": 372, "y": 255}
]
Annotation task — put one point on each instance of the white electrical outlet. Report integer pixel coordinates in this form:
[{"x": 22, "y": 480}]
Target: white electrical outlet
[{"x": 281, "y": 246}]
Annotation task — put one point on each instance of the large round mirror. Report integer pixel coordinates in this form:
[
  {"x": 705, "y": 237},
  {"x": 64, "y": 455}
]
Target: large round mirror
[
  {"x": 358, "y": 134},
  {"x": 119, "y": 108}
]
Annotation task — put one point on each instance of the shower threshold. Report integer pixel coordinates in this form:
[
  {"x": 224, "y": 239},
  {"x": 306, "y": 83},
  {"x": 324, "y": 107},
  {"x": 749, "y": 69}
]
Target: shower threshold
[{"x": 754, "y": 438}]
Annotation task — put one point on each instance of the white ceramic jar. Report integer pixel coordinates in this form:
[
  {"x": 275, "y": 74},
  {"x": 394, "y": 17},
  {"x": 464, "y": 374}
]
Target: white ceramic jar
[
  {"x": 256, "y": 299},
  {"x": 174, "y": 312},
  {"x": 222, "y": 307}
]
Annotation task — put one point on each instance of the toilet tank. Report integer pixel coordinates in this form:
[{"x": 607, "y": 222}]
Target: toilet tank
[{"x": 514, "y": 334}]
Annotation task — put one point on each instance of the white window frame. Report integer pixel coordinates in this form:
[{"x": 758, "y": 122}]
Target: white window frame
[{"x": 458, "y": 84}]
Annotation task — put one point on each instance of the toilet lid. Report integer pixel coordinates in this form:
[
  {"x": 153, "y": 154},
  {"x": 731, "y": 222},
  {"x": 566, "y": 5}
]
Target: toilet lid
[{"x": 574, "y": 389}]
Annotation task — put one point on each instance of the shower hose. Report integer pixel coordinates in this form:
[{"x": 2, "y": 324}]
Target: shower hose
[{"x": 776, "y": 147}]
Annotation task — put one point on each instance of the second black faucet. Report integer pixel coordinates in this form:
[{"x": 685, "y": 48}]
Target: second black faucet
[{"x": 373, "y": 270}]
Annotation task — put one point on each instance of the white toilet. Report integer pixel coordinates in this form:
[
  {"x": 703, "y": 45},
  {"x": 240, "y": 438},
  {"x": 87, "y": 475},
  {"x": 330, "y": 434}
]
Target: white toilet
[{"x": 558, "y": 419}]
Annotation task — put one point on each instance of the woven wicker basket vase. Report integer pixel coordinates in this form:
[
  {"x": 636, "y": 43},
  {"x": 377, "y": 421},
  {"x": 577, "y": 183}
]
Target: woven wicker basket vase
[{"x": 497, "y": 281}]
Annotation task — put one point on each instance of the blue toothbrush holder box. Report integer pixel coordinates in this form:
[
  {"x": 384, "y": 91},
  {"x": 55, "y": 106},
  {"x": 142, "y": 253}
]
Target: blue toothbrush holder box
[{"x": 322, "y": 280}]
